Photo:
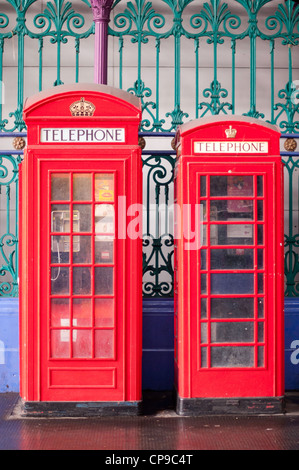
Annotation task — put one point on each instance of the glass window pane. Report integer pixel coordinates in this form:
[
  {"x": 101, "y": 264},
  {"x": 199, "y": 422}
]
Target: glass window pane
[
  {"x": 59, "y": 280},
  {"x": 60, "y": 343},
  {"x": 104, "y": 312},
  {"x": 260, "y": 307},
  {"x": 59, "y": 312},
  {"x": 229, "y": 209},
  {"x": 104, "y": 343},
  {"x": 60, "y": 249},
  {"x": 60, "y": 187},
  {"x": 260, "y": 283},
  {"x": 260, "y": 259},
  {"x": 82, "y": 218},
  {"x": 203, "y": 283},
  {"x": 81, "y": 280},
  {"x": 203, "y": 357},
  {"x": 203, "y": 259},
  {"x": 260, "y": 210},
  {"x": 260, "y": 356},
  {"x": 233, "y": 185},
  {"x": 104, "y": 187},
  {"x": 232, "y": 283},
  {"x": 103, "y": 281},
  {"x": 60, "y": 218},
  {"x": 81, "y": 343},
  {"x": 203, "y": 309},
  {"x": 242, "y": 307},
  {"x": 82, "y": 184},
  {"x": 103, "y": 249},
  {"x": 232, "y": 259},
  {"x": 260, "y": 329},
  {"x": 260, "y": 234},
  {"x": 232, "y": 356},
  {"x": 81, "y": 249},
  {"x": 203, "y": 333},
  {"x": 82, "y": 312},
  {"x": 232, "y": 332},
  {"x": 203, "y": 189},
  {"x": 260, "y": 185},
  {"x": 231, "y": 234}
]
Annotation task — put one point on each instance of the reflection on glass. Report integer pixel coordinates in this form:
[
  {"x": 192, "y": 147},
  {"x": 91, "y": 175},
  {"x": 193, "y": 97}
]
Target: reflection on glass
[
  {"x": 59, "y": 280},
  {"x": 59, "y": 312},
  {"x": 232, "y": 356},
  {"x": 232, "y": 307},
  {"x": 81, "y": 280},
  {"x": 104, "y": 187},
  {"x": 60, "y": 187},
  {"x": 82, "y": 312},
  {"x": 81, "y": 187},
  {"x": 104, "y": 343}
]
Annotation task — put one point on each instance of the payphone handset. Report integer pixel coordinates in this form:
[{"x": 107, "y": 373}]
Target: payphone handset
[{"x": 60, "y": 222}]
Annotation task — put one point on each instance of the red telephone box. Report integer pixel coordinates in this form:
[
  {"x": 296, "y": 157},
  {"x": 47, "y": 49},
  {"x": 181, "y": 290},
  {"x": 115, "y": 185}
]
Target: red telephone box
[
  {"x": 229, "y": 267},
  {"x": 80, "y": 273}
]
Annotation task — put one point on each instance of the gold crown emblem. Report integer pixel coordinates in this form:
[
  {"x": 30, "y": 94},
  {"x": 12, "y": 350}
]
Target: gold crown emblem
[
  {"x": 230, "y": 133},
  {"x": 82, "y": 108}
]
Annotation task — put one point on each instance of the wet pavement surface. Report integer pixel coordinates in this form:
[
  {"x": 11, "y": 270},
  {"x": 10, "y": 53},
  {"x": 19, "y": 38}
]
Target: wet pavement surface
[{"x": 158, "y": 429}]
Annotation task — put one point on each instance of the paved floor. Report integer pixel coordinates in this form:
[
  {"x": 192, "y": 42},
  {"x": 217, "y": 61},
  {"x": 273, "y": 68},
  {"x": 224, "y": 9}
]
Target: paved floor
[{"x": 159, "y": 429}]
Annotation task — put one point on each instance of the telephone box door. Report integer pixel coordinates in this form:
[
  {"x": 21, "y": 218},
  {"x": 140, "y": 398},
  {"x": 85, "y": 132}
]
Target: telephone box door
[
  {"x": 83, "y": 323},
  {"x": 232, "y": 320}
]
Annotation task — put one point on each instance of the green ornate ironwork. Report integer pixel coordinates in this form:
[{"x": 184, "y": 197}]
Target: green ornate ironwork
[
  {"x": 214, "y": 27},
  {"x": 9, "y": 176},
  {"x": 216, "y": 23}
]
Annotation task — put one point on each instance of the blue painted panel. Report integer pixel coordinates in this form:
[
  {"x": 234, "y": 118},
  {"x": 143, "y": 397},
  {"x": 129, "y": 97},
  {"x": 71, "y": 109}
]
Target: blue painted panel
[
  {"x": 9, "y": 345},
  {"x": 158, "y": 344},
  {"x": 292, "y": 343}
]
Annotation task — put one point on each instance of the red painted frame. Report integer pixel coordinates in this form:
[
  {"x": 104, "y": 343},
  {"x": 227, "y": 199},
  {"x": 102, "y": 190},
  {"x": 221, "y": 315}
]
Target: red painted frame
[
  {"x": 44, "y": 378},
  {"x": 192, "y": 379}
]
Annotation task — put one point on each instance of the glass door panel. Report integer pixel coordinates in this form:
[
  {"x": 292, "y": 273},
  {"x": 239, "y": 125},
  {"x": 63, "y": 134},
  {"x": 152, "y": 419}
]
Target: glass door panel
[{"x": 82, "y": 257}]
